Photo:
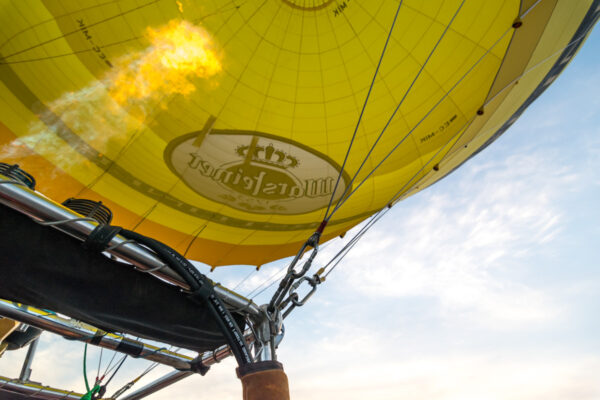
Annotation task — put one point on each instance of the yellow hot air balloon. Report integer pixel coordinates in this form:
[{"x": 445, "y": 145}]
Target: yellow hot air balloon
[{"x": 231, "y": 130}]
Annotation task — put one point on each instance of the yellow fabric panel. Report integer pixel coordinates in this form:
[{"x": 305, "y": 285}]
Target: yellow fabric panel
[
  {"x": 505, "y": 104},
  {"x": 221, "y": 127}
]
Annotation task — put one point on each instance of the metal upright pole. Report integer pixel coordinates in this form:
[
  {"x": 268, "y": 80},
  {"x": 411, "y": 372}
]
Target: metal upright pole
[{"x": 26, "y": 370}]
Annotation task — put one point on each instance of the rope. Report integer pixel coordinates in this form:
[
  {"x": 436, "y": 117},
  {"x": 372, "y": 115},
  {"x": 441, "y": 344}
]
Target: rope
[
  {"x": 89, "y": 392},
  {"x": 87, "y": 385}
]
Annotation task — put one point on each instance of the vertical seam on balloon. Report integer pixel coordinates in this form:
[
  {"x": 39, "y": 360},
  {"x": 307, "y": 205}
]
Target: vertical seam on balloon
[
  {"x": 327, "y": 218},
  {"x": 237, "y": 81},
  {"x": 297, "y": 76},
  {"x": 269, "y": 218},
  {"x": 344, "y": 197},
  {"x": 382, "y": 81},
  {"x": 280, "y": 48},
  {"x": 422, "y": 119},
  {"x": 324, "y": 104},
  {"x": 347, "y": 75},
  {"x": 178, "y": 180}
]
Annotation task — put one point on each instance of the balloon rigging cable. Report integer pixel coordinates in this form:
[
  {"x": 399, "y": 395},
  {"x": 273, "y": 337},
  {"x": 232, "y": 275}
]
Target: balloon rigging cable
[{"x": 343, "y": 197}]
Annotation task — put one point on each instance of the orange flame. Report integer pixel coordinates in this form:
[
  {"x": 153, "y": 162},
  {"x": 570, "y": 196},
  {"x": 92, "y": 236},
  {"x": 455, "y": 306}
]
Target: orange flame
[
  {"x": 107, "y": 112},
  {"x": 178, "y": 50}
]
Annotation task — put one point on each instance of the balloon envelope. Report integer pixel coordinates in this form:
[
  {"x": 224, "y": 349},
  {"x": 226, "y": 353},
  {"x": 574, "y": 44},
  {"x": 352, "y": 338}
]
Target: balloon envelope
[{"x": 221, "y": 128}]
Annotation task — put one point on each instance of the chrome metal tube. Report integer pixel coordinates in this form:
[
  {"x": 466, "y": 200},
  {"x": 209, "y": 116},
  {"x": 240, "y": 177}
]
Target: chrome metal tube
[
  {"x": 35, "y": 390},
  {"x": 158, "y": 384},
  {"x": 209, "y": 358},
  {"x": 26, "y": 369},
  {"x": 40, "y": 208},
  {"x": 82, "y": 332}
]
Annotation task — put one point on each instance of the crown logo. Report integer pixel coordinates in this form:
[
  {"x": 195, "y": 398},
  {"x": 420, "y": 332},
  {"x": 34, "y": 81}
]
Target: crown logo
[{"x": 269, "y": 155}]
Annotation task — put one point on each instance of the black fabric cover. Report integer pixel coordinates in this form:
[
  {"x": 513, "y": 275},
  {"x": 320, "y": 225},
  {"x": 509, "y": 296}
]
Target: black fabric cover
[{"x": 45, "y": 268}]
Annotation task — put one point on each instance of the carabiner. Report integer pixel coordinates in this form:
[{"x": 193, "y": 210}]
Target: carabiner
[{"x": 313, "y": 281}]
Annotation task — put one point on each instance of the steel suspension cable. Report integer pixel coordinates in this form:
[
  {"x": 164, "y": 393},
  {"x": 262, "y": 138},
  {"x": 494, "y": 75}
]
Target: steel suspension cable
[
  {"x": 267, "y": 283},
  {"x": 116, "y": 364},
  {"x": 406, "y": 93},
  {"x": 366, "y": 226},
  {"x": 412, "y": 130},
  {"x": 344, "y": 251},
  {"x": 343, "y": 200},
  {"x": 99, "y": 363},
  {"x": 110, "y": 363},
  {"x": 240, "y": 283},
  {"x": 460, "y": 132},
  {"x": 379, "y": 214},
  {"x": 363, "y": 108}
]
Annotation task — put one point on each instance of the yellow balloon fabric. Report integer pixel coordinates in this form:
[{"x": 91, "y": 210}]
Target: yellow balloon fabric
[{"x": 221, "y": 127}]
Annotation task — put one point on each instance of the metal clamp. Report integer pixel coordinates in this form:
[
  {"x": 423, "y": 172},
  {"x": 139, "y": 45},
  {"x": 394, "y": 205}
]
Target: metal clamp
[
  {"x": 277, "y": 301},
  {"x": 313, "y": 282},
  {"x": 313, "y": 242}
]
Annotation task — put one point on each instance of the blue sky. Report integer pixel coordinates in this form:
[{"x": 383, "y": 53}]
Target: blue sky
[{"x": 485, "y": 286}]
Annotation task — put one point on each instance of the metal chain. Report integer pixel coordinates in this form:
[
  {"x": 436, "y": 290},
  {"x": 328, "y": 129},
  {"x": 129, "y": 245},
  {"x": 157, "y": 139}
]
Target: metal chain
[{"x": 292, "y": 275}]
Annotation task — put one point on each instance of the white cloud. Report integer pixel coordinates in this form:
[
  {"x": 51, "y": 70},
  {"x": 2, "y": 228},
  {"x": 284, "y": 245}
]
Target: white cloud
[
  {"x": 369, "y": 364},
  {"x": 461, "y": 377},
  {"x": 455, "y": 245}
]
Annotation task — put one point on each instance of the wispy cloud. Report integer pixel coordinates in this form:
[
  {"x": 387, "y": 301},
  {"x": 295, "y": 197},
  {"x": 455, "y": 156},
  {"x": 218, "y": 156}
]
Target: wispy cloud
[
  {"x": 458, "y": 377},
  {"x": 454, "y": 245}
]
